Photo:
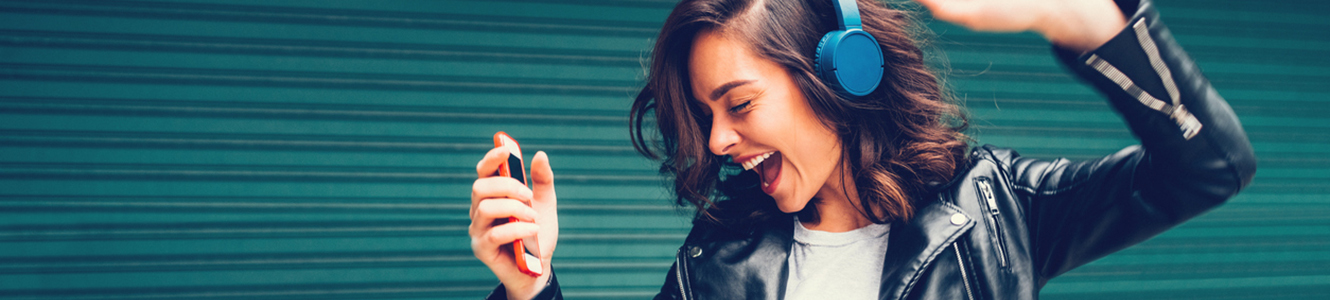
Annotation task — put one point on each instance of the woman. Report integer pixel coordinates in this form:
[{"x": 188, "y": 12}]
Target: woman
[{"x": 803, "y": 191}]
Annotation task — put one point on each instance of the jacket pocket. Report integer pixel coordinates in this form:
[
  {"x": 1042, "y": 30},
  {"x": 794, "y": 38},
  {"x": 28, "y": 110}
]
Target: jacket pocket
[{"x": 992, "y": 216}]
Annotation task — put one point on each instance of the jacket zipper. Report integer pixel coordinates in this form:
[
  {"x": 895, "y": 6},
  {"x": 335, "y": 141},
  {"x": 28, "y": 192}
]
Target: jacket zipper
[
  {"x": 681, "y": 273},
  {"x": 965, "y": 278},
  {"x": 995, "y": 227},
  {"x": 1174, "y": 109}
]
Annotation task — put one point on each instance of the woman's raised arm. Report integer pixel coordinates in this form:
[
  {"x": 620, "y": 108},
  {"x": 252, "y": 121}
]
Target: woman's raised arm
[{"x": 1080, "y": 25}]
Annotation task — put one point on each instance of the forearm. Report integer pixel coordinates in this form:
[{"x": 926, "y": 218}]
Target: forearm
[
  {"x": 1080, "y": 25},
  {"x": 1187, "y": 128},
  {"x": 1194, "y": 154}
]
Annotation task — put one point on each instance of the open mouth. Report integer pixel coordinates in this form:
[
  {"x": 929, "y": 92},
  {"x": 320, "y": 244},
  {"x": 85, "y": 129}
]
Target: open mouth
[{"x": 768, "y": 167}]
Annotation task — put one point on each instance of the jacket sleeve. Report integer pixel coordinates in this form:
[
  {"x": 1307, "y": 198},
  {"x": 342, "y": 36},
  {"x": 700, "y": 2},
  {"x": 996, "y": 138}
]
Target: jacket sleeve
[
  {"x": 551, "y": 291},
  {"x": 1193, "y": 154}
]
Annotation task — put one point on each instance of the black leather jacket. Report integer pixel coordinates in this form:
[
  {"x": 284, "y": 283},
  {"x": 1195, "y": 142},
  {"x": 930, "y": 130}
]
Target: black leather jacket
[{"x": 1002, "y": 228}]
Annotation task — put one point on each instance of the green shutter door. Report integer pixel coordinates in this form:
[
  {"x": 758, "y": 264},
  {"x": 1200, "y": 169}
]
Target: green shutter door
[{"x": 325, "y": 149}]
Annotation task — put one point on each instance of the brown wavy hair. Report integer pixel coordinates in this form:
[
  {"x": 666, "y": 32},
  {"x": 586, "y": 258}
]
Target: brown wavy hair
[{"x": 900, "y": 138}]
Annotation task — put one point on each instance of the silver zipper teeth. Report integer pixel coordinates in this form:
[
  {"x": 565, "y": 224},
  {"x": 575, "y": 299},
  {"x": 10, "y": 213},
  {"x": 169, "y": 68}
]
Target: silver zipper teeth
[
  {"x": 1152, "y": 51},
  {"x": 969, "y": 294},
  {"x": 680, "y": 274},
  {"x": 986, "y": 189},
  {"x": 1187, "y": 122}
]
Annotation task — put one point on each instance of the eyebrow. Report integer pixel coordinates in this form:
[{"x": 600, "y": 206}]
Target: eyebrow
[{"x": 725, "y": 88}]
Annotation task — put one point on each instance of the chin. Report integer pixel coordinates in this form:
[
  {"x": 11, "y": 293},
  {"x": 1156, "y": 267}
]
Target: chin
[{"x": 789, "y": 208}]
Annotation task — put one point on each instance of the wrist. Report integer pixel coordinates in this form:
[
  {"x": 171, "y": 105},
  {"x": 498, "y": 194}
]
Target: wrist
[
  {"x": 530, "y": 290},
  {"x": 1081, "y": 25}
]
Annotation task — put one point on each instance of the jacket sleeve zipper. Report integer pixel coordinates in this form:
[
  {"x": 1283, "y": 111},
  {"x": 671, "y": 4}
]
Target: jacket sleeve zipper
[
  {"x": 995, "y": 226},
  {"x": 1174, "y": 109}
]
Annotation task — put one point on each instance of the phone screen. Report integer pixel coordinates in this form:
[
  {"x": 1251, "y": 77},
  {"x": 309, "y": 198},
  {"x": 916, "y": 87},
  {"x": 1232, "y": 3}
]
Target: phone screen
[
  {"x": 515, "y": 168},
  {"x": 526, "y": 258}
]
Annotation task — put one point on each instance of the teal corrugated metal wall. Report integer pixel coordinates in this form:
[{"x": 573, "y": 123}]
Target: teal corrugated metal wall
[{"x": 325, "y": 149}]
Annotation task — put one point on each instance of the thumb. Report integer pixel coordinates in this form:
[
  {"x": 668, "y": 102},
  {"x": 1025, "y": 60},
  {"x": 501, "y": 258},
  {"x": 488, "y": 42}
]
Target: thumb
[{"x": 542, "y": 177}]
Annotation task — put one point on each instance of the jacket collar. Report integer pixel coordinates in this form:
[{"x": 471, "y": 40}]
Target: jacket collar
[{"x": 913, "y": 245}]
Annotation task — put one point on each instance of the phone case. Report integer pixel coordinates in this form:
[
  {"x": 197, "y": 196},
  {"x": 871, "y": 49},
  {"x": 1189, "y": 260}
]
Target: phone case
[{"x": 524, "y": 250}]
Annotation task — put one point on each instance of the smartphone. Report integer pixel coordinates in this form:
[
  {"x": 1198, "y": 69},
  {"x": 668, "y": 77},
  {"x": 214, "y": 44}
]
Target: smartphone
[{"x": 525, "y": 251}]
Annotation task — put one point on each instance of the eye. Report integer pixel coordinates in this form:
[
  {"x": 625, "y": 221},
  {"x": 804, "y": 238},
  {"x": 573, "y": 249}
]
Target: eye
[{"x": 741, "y": 107}]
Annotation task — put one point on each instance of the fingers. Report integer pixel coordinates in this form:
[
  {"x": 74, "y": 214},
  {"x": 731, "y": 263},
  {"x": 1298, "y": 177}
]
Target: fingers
[
  {"x": 490, "y": 163},
  {"x": 488, "y": 211},
  {"x": 488, "y": 243},
  {"x": 499, "y": 187},
  {"x": 487, "y": 237}
]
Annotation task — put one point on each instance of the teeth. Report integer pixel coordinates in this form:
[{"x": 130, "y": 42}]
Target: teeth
[{"x": 752, "y": 163}]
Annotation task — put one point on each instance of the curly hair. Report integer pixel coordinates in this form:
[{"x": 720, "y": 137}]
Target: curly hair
[{"x": 896, "y": 140}]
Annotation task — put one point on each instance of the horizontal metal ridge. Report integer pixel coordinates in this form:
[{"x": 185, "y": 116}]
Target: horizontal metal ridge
[
  {"x": 655, "y": 236},
  {"x": 1172, "y": 245},
  {"x": 289, "y": 173},
  {"x": 20, "y": 203},
  {"x": 297, "y": 229},
  {"x": 13, "y": 203},
  {"x": 286, "y": 261},
  {"x": 1290, "y": 6},
  {"x": 662, "y": 4},
  {"x": 205, "y": 140},
  {"x": 323, "y": 80},
  {"x": 328, "y": 290},
  {"x": 332, "y": 17},
  {"x": 308, "y": 111},
  {"x": 1288, "y": 185},
  {"x": 1265, "y": 29},
  {"x": 225, "y": 230},
  {"x": 1051, "y": 74},
  {"x": 233, "y": 261},
  {"x": 1084, "y": 102},
  {"x": 1196, "y": 270},
  {"x": 315, "y": 48}
]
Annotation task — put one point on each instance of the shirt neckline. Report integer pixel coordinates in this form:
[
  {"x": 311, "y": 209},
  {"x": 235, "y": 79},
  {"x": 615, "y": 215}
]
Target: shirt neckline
[{"x": 803, "y": 235}]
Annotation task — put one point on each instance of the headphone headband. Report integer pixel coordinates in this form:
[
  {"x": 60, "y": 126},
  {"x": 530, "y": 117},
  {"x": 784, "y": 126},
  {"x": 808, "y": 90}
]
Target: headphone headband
[
  {"x": 847, "y": 12},
  {"x": 849, "y": 60}
]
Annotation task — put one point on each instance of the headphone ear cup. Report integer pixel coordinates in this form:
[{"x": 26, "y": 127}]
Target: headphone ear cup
[
  {"x": 850, "y": 62},
  {"x": 818, "y": 56}
]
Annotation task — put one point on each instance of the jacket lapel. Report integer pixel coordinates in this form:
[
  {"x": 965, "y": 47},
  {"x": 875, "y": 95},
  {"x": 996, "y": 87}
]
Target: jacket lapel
[
  {"x": 913, "y": 245},
  {"x": 752, "y": 267}
]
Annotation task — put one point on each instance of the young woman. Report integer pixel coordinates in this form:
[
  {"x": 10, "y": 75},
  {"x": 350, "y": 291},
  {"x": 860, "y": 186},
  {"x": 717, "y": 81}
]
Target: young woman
[{"x": 806, "y": 191}]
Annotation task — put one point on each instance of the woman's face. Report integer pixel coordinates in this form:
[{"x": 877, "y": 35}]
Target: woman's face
[{"x": 761, "y": 119}]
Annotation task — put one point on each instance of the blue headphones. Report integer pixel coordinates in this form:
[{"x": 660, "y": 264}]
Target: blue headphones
[{"x": 849, "y": 60}]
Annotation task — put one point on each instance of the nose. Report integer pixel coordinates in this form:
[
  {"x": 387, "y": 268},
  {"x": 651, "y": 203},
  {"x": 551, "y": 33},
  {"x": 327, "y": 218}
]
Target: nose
[{"x": 723, "y": 137}]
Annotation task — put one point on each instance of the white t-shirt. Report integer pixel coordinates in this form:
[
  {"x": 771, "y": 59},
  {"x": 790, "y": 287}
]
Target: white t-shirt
[{"x": 836, "y": 265}]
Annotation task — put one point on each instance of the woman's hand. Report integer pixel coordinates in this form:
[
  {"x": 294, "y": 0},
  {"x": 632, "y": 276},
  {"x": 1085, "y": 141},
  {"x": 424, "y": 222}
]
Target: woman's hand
[
  {"x": 1081, "y": 25},
  {"x": 495, "y": 198}
]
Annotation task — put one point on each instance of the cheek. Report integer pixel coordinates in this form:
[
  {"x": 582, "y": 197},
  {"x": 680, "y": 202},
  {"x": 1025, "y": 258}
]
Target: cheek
[{"x": 816, "y": 143}]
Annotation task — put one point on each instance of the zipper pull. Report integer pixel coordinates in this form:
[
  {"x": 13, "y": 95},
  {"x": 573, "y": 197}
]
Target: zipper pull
[{"x": 986, "y": 191}]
